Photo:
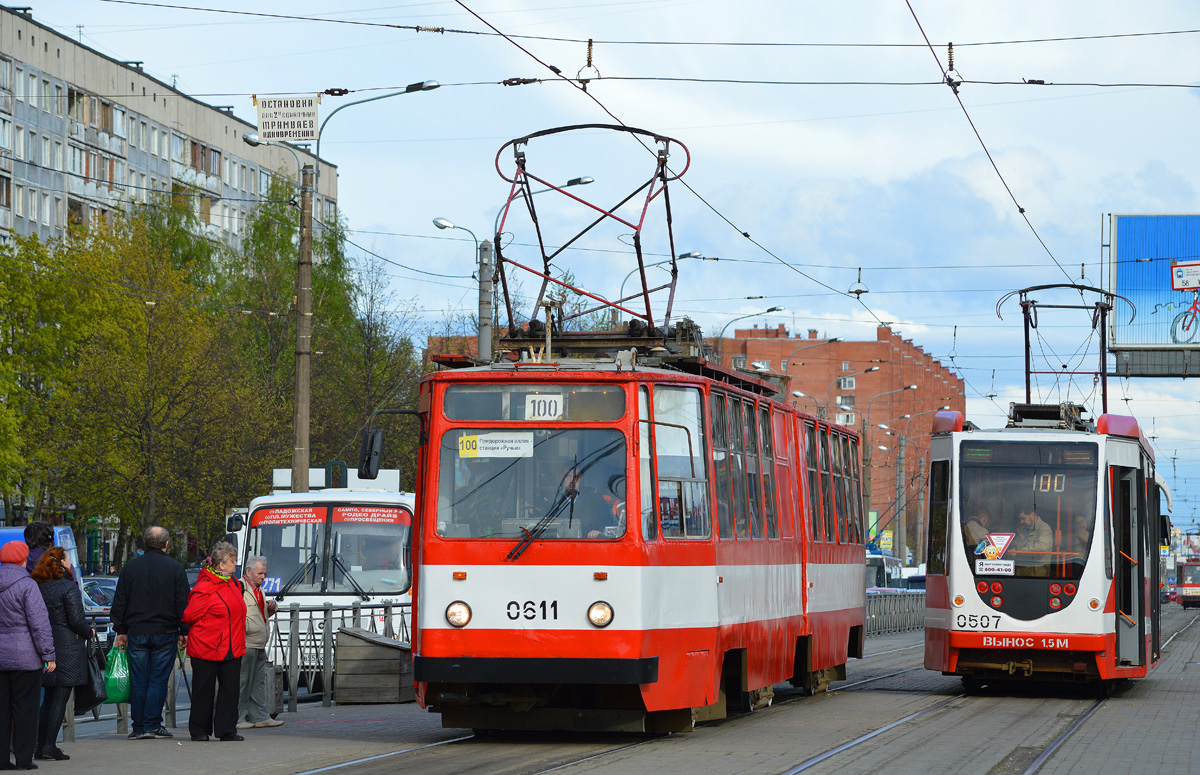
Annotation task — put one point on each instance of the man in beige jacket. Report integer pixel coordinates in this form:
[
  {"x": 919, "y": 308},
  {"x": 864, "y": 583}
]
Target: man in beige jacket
[{"x": 252, "y": 699}]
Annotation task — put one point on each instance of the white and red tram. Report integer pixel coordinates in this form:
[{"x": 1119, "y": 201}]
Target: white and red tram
[
  {"x": 1043, "y": 548},
  {"x": 602, "y": 545}
]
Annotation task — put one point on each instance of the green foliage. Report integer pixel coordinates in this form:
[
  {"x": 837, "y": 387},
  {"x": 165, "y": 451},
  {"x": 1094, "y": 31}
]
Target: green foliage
[{"x": 147, "y": 372}]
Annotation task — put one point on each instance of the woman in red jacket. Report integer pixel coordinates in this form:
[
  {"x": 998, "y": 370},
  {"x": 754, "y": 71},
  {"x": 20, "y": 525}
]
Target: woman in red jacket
[{"x": 216, "y": 642}]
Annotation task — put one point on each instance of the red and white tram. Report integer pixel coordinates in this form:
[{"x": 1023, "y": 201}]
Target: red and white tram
[
  {"x": 1043, "y": 548},
  {"x": 603, "y": 544}
]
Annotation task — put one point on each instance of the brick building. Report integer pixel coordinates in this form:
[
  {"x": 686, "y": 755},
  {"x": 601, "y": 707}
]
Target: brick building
[{"x": 863, "y": 385}]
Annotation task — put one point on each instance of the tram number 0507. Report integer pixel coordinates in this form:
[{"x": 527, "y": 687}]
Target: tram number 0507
[
  {"x": 981, "y": 622},
  {"x": 532, "y": 609}
]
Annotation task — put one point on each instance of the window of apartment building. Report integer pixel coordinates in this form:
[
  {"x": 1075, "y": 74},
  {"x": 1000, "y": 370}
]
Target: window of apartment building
[
  {"x": 76, "y": 102},
  {"x": 846, "y": 383},
  {"x": 5, "y": 134},
  {"x": 131, "y": 190},
  {"x": 142, "y": 187},
  {"x": 105, "y": 121},
  {"x": 845, "y": 365},
  {"x": 154, "y": 141},
  {"x": 19, "y": 83},
  {"x": 330, "y": 211},
  {"x": 75, "y": 163},
  {"x": 59, "y": 103},
  {"x": 153, "y": 183},
  {"x": 142, "y": 136},
  {"x": 5, "y": 191},
  {"x": 93, "y": 111},
  {"x": 45, "y": 209},
  {"x": 19, "y": 201},
  {"x": 46, "y": 159},
  {"x": 5, "y": 73},
  {"x": 847, "y": 400},
  {"x": 19, "y": 142},
  {"x": 58, "y": 156},
  {"x": 33, "y": 90},
  {"x": 162, "y": 148},
  {"x": 47, "y": 95},
  {"x": 33, "y": 204},
  {"x": 118, "y": 121},
  {"x": 180, "y": 149},
  {"x": 243, "y": 178},
  {"x": 118, "y": 171},
  {"x": 264, "y": 182},
  {"x": 739, "y": 361},
  {"x": 31, "y": 148},
  {"x": 59, "y": 220}
]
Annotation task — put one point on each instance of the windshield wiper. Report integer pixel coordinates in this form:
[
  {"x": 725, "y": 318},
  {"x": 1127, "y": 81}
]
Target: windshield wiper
[
  {"x": 299, "y": 574},
  {"x": 532, "y": 534},
  {"x": 337, "y": 560}
]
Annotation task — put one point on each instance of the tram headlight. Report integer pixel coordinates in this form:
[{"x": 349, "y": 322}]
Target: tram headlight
[
  {"x": 1055, "y": 603},
  {"x": 600, "y": 614},
  {"x": 458, "y": 613}
]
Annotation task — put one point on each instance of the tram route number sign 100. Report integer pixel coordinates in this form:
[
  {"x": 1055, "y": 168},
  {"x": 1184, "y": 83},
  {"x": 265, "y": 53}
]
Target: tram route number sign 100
[
  {"x": 544, "y": 406},
  {"x": 532, "y": 609}
]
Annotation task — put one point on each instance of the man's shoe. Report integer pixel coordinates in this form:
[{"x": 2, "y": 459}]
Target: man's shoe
[
  {"x": 232, "y": 737},
  {"x": 246, "y": 725},
  {"x": 199, "y": 738},
  {"x": 271, "y": 722},
  {"x": 56, "y": 754},
  {"x": 30, "y": 766},
  {"x": 159, "y": 732},
  {"x": 137, "y": 734}
]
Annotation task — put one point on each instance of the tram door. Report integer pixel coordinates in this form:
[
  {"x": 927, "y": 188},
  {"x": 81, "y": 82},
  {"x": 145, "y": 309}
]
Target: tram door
[{"x": 1128, "y": 512}]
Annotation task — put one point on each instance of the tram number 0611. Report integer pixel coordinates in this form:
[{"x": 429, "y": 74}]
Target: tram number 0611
[
  {"x": 977, "y": 622},
  {"x": 532, "y": 609}
]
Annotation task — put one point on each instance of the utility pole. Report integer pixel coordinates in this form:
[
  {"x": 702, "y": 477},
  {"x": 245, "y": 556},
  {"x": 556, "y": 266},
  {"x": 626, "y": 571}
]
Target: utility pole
[
  {"x": 899, "y": 516},
  {"x": 485, "y": 301},
  {"x": 300, "y": 419},
  {"x": 866, "y": 449}
]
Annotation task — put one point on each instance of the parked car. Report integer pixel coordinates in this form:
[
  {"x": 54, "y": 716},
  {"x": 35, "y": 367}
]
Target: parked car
[{"x": 100, "y": 589}]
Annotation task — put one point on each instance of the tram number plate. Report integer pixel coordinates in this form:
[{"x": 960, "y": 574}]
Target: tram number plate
[
  {"x": 977, "y": 622},
  {"x": 532, "y": 609}
]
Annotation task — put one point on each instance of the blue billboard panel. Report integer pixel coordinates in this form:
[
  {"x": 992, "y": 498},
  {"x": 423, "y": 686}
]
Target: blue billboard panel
[{"x": 1150, "y": 256}]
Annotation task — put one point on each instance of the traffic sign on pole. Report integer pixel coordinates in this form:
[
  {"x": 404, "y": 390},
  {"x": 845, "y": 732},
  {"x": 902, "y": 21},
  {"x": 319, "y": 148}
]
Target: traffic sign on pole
[{"x": 287, "y": 119}]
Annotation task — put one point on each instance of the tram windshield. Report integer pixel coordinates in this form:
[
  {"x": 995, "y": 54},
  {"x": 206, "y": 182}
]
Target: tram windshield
[
  {"x": 1028, "y": 508},
  {"x": 367, "y": 552},
  {"x": 501, "y": 483},
  {"x": 1190, "y": 574}
]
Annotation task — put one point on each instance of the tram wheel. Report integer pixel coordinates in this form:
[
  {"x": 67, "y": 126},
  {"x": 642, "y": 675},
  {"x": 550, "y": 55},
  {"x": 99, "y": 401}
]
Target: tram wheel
[{"x": 971, "y": 685}]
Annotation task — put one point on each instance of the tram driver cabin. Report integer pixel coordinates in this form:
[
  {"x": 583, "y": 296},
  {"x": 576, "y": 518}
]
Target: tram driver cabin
[{"x": 615, "y": 544}]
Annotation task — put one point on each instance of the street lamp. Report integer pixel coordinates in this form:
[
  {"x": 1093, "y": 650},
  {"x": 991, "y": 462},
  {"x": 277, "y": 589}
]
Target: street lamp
[
  {"x": 788, "y": 360},
  {"x": 580, "y": 181},
  {"x": 867, "y": 473},
  {"x": 412, "y": 87},
  {"x": 484, "y": 252},
  {"x": 721, "y": 336},
  {"x": 681, "y": 257},
  {"x": 301, "y": 415},
  {"x": 825, "y": 409}
]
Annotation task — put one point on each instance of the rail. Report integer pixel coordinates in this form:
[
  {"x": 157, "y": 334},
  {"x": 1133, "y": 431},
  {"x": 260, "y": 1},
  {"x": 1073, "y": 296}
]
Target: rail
[{"x": 895, "y": 610}]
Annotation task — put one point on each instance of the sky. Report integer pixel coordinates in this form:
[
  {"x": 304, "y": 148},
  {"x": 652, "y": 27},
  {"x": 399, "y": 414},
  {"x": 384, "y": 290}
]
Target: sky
[{"x": 833, "y": 143}]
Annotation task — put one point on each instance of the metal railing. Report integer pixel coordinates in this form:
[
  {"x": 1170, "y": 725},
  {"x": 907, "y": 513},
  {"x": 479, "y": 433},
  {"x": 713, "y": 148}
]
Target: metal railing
[
  {"x": 895, "y": 611},
  {"x": 304, "y": 642}
]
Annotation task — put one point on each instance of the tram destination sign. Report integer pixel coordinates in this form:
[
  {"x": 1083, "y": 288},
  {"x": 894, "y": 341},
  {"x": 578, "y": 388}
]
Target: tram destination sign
[{"x": 287, "y": 119}]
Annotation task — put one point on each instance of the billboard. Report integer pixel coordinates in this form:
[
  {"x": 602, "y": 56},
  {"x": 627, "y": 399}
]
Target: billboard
[{"x": 1154, "y": 261}]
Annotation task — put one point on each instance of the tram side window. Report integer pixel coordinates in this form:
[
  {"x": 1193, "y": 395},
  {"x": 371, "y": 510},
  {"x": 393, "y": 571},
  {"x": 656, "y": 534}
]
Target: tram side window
[
  {"x": 737, "y": 439},
  {"x": 848, "y": 486},
  {"x": 679, "y": 449},
  {"x": 770, "y": 515},
  {"x": 649, "y": 525},
  {"x": 753, "y": 472},
  {"x": 722, "y": 466},
  {"x": 839, "y": 489},
  {"x": 827, "y": 489},
  {"x": 939, "y": 506},
  {"x": 856, "y": 492},
  {"x": 814, "y": 485},
  {"x": 785, "y": 453}
]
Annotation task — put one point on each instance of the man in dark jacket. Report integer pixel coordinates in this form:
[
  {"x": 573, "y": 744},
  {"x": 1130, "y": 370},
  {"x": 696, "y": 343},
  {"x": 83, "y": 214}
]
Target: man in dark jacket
[
  {"x": 147, "y": 614},
  {"x": 39, "y": 536}
]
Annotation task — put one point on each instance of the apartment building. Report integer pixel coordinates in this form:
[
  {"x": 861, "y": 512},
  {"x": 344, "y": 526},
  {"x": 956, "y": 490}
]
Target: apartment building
[{"x": 82, "y": 133}]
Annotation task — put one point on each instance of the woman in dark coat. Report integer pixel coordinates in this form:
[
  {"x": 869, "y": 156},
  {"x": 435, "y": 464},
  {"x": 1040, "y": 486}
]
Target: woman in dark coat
[
  {"x": 64, "y": 604},
  {"x": 26, "y": 648}
]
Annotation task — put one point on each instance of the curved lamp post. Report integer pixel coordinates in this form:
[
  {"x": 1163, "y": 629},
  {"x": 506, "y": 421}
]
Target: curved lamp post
[
  {"x": 580, "y": 181},
  {"x": 721, "y": 336},
  {"x": 824, "y": 409},
  {"x": 484, "y": 254}
]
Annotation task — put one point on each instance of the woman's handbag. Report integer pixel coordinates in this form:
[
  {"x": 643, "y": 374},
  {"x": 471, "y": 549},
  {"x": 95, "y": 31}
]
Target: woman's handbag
[
  {"x": 92, "y": 692},
  {"x": 116, "y": 676}
]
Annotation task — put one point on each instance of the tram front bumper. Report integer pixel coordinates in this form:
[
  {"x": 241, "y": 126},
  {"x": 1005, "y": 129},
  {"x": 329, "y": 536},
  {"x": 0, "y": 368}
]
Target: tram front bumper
[{"x": 535, "y": 670}]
